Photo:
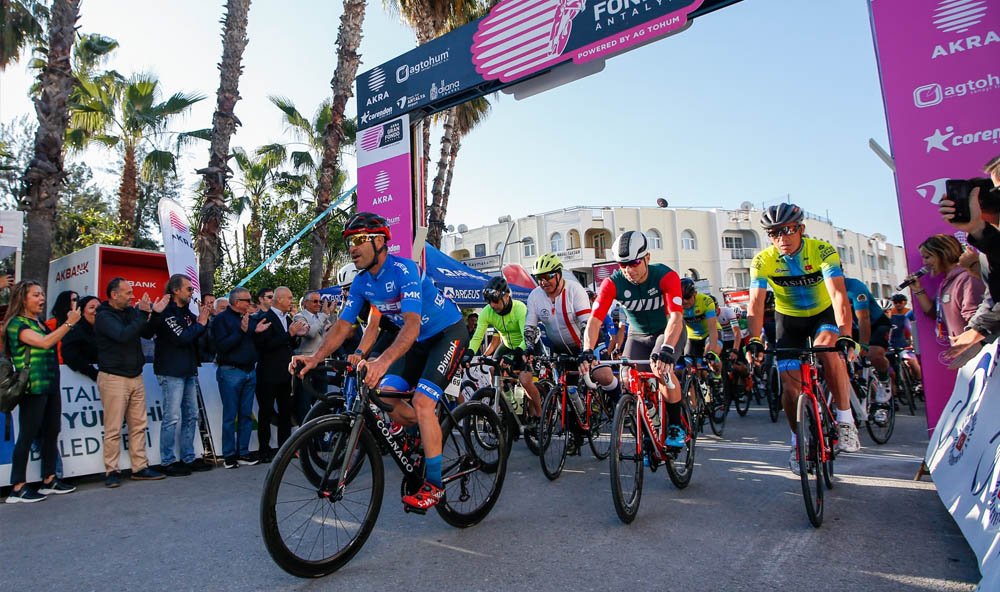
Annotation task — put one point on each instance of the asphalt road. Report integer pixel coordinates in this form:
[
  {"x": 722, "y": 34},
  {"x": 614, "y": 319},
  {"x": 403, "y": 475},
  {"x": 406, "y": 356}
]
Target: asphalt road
[{"x": 740, "y": 525}]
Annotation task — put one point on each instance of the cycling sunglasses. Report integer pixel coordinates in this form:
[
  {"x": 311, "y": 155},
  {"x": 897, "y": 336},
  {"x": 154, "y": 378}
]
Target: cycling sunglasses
[
  {"x": 545, "y": 277},
  {"x": 493, "y": 295},
  {"x": 783, "y": 231},
  {"x": 632, "y": 263},
  {"x": 356, "y": 240}
]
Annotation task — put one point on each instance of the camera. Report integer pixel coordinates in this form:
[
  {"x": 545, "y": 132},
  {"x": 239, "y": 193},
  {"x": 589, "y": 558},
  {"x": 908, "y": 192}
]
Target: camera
[{"x": 959, "y": 190}]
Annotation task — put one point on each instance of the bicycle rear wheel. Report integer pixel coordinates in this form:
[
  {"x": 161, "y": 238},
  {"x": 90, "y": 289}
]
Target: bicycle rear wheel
[
  {"x": 553, "y": 432},
  {"x": 313, "y": 529},
  {"x": 906, "y": 386},
  {"x": 742, "y": 400},
  {"x": 473, "y": 474},
  {"x": 718, "y": 409},
  {"x": 680, "y": 467},
  {"x": 487, "y": 396},
  {"x": 881, "y": 416},
  {"x": 773, "y": 393},
  {"x": 809, "y": 459},
  {"x": 602, "y": 416},
  {"x": 626, "y": 460}
]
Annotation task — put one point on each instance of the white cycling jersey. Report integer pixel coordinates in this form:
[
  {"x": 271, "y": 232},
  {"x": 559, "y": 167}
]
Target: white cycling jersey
[
  {"x": 727, "y": 316},
  {"x": 564, "y": 318}
]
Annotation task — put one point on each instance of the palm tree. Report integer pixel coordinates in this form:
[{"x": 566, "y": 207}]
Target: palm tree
[
  {"x": 335, "y": 132},
  {"x": 224, "y": 122},
  {"x": 21, "y": 24},
  {"x": 468, "y": 115},
  {"x": 45, "y": 173},
  {"x": 117, "y": 112},
  {"x": 257, "y": 175},
  {"x": 308, "y": 179}
]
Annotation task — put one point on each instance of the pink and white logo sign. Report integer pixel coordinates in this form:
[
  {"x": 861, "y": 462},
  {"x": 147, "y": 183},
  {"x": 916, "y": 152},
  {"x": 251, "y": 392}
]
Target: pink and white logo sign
[
  {"x": 384, "y": 181},
  {"x": 939, "y": 62}
]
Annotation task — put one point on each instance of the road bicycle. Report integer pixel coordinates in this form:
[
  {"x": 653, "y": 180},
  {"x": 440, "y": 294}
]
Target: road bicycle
[
  {"x": 817, "y": 433},
  {"x": 323, "y": 490},
  {"x": 511, "y": 406},
  {"x": 638, "y": 435},
  {"x": 866, "y": 390},
  {"x": 707, "y": 397},
  {"x": 904, "y": 381},
  {"x": 570, "y": 409}
]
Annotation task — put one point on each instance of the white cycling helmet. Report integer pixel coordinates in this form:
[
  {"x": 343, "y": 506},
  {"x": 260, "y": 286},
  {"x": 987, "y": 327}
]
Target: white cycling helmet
[
  {"x": 346, "y": 275},
  {"x": 629, "y": 246}
]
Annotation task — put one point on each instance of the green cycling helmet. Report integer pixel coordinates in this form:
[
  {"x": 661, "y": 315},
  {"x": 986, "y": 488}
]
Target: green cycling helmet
[{"x": 547, "y": 263}]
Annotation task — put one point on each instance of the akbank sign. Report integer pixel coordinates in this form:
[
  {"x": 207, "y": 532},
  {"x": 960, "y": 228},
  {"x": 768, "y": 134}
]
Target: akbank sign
[{"x": 517, "y": 39}]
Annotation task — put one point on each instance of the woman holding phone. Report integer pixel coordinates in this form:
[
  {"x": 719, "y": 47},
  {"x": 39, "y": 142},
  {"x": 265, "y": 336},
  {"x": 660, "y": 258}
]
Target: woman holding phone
[{"x": 30, "y": 345}]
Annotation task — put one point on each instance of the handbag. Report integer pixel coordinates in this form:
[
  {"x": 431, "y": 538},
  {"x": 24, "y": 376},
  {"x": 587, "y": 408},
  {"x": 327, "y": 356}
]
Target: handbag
[{"x": 13, "y": 382}]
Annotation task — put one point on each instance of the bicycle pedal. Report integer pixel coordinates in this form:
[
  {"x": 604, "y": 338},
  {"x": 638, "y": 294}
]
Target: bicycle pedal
[{"x": 412, "y": 510}]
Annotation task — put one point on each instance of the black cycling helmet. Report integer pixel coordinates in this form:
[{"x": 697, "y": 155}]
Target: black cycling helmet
[
  {"x": 899, "y": 298},
  {"x": 687, "y": 287},
  {"x": 780, "y": 215},
  {"x": 495, "y": 289},
  {"x": 367, "y": 223}
]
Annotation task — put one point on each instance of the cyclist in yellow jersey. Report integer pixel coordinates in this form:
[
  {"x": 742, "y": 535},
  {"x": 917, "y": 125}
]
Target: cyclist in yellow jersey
[{"x": 810, "y": 302}]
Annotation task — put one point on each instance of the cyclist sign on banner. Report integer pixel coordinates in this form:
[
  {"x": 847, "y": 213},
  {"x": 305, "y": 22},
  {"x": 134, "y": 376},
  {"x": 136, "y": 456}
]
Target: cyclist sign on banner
[
  {"x": 937, "y": 60},
  {"x": 964, "y": 460}
]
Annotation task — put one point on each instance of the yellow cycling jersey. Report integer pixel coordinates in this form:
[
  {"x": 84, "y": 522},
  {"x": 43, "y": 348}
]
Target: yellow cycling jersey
[
  {"x": 798, "y": 280},
  {"x": 698, "y": 317}
]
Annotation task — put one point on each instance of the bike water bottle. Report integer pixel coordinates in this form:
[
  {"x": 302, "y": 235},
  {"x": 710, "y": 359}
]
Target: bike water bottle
[
  {"x": 574, "y": 396},
  {"x": 519, "y": 399},
  {"x": 511, "y": 398}
]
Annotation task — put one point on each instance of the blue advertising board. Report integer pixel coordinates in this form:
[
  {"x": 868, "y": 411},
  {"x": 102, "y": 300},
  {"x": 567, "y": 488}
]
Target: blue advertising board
[{"x": 517, "y": 40}]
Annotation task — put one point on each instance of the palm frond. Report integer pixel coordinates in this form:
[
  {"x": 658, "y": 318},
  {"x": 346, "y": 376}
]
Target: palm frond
[
  {"x": 292, "y": 115},
  {"x": 302, "y": 160},
  {"x": 187, "y": 138},
  {"x": 158, "y": 164}
]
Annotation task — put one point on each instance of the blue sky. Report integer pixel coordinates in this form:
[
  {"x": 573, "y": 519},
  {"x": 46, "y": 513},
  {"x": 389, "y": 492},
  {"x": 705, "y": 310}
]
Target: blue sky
[{"x": 764, "y": 99}]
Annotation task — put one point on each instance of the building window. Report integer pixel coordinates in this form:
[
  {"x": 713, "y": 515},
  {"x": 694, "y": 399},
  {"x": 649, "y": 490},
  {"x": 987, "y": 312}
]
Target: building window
[
  {"x": 480, "y": 249},
  {"x": 573, "y": 236},
  {"x": 738, "y": 278},
  {"x": 556, "y": 244},
  {"x": 874, "y": 289},
  {"x": 883, "y": 262},
  {"x": 850, "y": 252},
  {"x": 529, "y": 246},
  {"x": 688, "y": 241},
  {"x": 886, "y": 291},
  {"x": 732, "y": 242},
  {"x": 655, "y": 240},
  {"x": 871, "y": 261},
  {"x": 499, "y": 249},
  {"x": 842, "y": 253}
]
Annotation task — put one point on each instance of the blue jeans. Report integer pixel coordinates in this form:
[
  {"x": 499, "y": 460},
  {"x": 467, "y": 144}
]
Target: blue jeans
[
  {"x": 236, "y": 387},
  {"x": 180, "y": 404}
]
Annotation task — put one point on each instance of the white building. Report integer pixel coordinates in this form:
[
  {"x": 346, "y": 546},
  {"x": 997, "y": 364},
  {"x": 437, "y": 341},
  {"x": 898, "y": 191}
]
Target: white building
[{"x": 713, "y": 245}]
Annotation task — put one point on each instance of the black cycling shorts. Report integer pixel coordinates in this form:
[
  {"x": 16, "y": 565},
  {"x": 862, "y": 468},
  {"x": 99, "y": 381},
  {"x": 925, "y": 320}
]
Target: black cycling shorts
[
  {"x": 695, "y": 348},
  {"x": 795, "y": 332},
  {"x": 880, "y": 333},
  {"x": 429, "y": 365},
  {"x": 639, "y": 346}
]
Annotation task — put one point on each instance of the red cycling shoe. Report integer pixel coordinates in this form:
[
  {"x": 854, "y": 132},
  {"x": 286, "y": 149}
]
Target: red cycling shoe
[{"x": 426, "y": 498}]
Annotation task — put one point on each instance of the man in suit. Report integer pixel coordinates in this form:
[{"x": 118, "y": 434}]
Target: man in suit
[{"x": 274, "y": 385}]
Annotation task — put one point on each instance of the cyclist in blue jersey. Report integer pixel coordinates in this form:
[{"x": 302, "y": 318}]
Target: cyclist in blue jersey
[
  {"x": 873, "y": 326},
  {"x": 423, "y": 356}
]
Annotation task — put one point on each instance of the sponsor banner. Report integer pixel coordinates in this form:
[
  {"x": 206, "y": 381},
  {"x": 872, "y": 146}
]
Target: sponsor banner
[
  {"x": 938, "y": 65},
  {"x": 481, "y": 263},
  {"x": 385, "y": 183},
  {"x": 179, "y": 245},
  {"x": 736, "y": 297},
  {"x": 963, "y": 457},
  {"x": 603, "y": 271},
  {"x": 516, "y": 40},
  {"x": 11, "y": 232},
  {"x": 82, "y": 434}
]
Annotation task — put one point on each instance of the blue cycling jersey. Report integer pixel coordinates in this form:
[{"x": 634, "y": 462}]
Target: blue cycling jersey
[
  {"x": 861, "y": 298},
  {"x": 399, "y": 288}
]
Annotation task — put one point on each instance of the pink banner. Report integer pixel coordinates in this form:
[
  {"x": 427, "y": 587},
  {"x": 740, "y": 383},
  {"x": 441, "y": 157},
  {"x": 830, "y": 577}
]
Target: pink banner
[
  {"x": 385, "y": 183},
  {"x": 939, "y": 62}
]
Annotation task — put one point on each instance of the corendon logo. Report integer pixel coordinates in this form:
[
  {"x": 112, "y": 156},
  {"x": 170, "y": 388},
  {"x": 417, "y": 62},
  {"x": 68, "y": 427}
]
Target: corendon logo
[
  {"x": 949, "y": 138},
  {"x": 73, "y": 271},
  {"x": 960, "y": 16}
]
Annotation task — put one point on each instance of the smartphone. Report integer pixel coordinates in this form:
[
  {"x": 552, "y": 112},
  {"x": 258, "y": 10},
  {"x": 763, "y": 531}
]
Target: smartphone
[{"x": 959, "y": 190}]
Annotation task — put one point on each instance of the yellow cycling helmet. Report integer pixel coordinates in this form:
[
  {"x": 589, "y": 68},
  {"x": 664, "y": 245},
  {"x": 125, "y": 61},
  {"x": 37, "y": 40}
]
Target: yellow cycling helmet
[{"x": 547, "y": 263}]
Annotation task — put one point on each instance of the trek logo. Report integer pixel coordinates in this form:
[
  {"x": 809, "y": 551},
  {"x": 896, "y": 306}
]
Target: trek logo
[
  {"x": 404, "y": 72},
  {"x": 933, "y": 190},
  {"x": 950, "y": 138},
  {"x": 959, "y": 16},
  {"x": 933, "y": 94},
  {"x": 73, "y": 271},
  {"x": 376, "y": 80}
]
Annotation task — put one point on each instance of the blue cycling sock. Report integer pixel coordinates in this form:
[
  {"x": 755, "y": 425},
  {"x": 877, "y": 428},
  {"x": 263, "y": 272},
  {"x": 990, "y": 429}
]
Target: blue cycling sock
[{"x": 433, "y": 474}]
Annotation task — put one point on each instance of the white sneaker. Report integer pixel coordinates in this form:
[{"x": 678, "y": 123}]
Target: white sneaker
[
  {"x": 881, "y": 416},
  {"x": 849, "y": 441},
  {"x": 793, "y": 460},
  {"x": 882, "y": 392}
]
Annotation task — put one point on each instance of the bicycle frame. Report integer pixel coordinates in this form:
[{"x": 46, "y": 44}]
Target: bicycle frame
[
  {"x": 809, "y": 376},
  {"x": 559, "y": 378},
  {"x": 638, "y": 383}
]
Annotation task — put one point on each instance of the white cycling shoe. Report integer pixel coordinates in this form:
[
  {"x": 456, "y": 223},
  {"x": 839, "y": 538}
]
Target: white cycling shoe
[{"x": 848, "y": 441}]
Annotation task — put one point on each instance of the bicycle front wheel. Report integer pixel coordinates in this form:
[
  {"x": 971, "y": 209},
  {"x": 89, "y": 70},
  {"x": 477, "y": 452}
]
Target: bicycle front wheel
[
  {"x": 881, "y": 416},
  {"x": 906, "y": 387},
  {"x": 312, "y": 527},
  {"x": 718, "y": 409},
  {"x": 626, "y": 460},
  {"x": 602, "y": 416},
  {"x": 553, "y": 433},
  {"x": 809, "y": 459},
  {"x": 472, "y": 473},
  {"x": 680, "y": 467},
  {"x": 773, "y": 393},
  {"x": 488, "y": 396}
]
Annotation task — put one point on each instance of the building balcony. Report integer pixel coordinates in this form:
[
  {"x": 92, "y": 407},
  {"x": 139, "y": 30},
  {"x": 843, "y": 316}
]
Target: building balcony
[{"x": 740, "y": 254}]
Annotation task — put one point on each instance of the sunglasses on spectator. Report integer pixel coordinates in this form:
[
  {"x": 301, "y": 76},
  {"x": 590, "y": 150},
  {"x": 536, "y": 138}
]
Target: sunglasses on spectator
[
  {"x": 783, "y": 231},
  {"x": 313, "y": 301},
  {"x": 242, "y": 300},
  {"x": 545, "y": 277},
  {"x": 632, "y": 263},
  {"x": 356, "y": 240}
]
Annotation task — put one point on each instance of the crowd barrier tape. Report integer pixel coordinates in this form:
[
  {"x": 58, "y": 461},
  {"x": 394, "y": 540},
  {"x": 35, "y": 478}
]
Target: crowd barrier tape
[
  {"x": 82, "y": 435},
  {"x": 963, "y": 457}
]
